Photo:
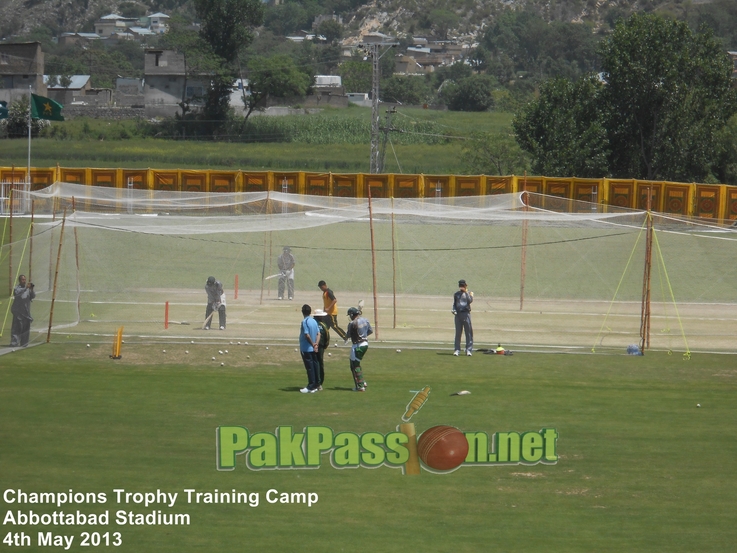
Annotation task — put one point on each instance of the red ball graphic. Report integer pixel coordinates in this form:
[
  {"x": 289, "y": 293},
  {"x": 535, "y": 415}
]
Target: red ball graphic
[{"x": 442, "y": 447}]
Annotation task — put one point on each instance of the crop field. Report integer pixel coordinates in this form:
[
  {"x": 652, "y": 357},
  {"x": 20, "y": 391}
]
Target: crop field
[{"x": 335, "y": 140}]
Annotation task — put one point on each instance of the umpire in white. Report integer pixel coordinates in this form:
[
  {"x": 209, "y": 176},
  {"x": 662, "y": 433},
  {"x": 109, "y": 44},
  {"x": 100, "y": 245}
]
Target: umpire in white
[{"x": 462, "y": 300}]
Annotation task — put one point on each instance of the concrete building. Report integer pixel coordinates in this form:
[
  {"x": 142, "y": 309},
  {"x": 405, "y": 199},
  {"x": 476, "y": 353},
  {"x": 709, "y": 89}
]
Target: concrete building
[
  {"x": 21, "y": 70},
  {"x": 168, "y": 83}
]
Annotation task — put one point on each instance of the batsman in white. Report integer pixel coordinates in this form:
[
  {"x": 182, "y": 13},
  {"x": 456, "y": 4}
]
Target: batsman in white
[
  {"x": 286, "y": 263},
  {"x": 215, "y": 302}
]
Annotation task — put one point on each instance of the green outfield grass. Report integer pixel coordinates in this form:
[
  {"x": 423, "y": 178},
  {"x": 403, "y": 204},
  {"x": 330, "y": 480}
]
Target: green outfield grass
[{"x": 640, "y": 467}]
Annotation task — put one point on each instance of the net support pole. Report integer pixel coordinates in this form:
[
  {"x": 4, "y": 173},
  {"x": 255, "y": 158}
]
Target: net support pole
[
  {"x": 523, "y": 260},
  {"x": 30, "y": 251},
  {"x": 10, "y": 243},
  {"x": 76, "y": 260},
  {"x": 373, "y": 260},
  {"x": 645, "y": 312},
  {"x": 394, "y": 271},
  {"x": 235, "y": 292},
  {"x": 56, "y": 277},
  {"x": 166, "y": 316},
  {"x": 51, "y": 242}
]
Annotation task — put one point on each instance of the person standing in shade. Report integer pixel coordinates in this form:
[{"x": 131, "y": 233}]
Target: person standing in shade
[
  {"x": 359, "y": 329},
  {"x": 462, "y": 300},
  {"x": 215, "y": 302},
  {"x": 331, "y": 308},
  {"x": 309, "y": 339},
  {"x": 23, "y": 295},
  {"x": 286, "y": 262}
]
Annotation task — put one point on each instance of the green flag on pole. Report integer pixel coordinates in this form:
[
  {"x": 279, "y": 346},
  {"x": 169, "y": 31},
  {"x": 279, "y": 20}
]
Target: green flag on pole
[{"x": 44, "y": 108}]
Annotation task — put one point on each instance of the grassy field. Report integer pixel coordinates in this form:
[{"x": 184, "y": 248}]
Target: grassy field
[
  {"x": 97, "y": 143},
  {"x": 641, "y": 468}
]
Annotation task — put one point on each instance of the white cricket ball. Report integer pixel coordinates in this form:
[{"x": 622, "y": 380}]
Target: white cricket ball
[
  {"x": 248, "y": 356},
  {"x": 245, "y": 343},
  {"x": 192, "y": 342},
  {"x": 226, "y": 351},
  {"x": 186, "y": 351},
  {"x": 295, "y": 349},
  {"x": 399, "y": 351},
  {"x": 231, "y": 343},
  {"x": 213, "y": 359},
  {"x": 267, "y": 347},
  {"x": 698, "y": 405},
  {"x": 122, "y": 341},
  {"x": 220, "y": 351},
  {"x": 330, "y": 354},
  {"x": 336, "y": 344},
  {"x": 222, "y": 364},
  {"x": 88, "y": 345}
]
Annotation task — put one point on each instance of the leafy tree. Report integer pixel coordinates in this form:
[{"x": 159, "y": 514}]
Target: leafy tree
[
  {"x": 356, "y": 75},
  {"x": 16, "y": 124},
  {"x": 473, "y": 93},
  {"x": 563, "y": 129},
  {"x": 454, "y": 72},
  {"x": 668, "y": 95},
  {"x": 331, "y": 30},
  {"x": 441, "y": 21},
  {"x": 493, "y": 154},
  {"x": 405, "y": 90},
  {"x": 226, "y": 26},
  {"x": 275, "y": 76},
  {"x": 198, "y": 58}
]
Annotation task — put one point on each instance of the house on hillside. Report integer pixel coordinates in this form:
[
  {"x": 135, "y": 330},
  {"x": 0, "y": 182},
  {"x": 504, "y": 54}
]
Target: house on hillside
[
  {"x": 68, "y": 89},
  {"x": 66, "y": 39},
  {"x": 21, "y": 70},
  {"x": 168, "y": 83},
  {"x": 114, "y": 26}
]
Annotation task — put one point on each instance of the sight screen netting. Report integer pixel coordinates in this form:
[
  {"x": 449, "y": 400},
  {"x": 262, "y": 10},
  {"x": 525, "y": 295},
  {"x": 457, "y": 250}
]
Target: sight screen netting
[{"x": 546, "y": 272}]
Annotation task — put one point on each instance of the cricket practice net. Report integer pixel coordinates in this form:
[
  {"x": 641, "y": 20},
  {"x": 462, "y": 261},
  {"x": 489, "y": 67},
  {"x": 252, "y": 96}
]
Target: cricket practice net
[{"x": 545, "y": 271}]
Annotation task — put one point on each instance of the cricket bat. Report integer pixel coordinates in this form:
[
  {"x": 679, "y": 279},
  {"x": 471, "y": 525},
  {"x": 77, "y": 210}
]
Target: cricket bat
[{"x": 207, "y": 321}]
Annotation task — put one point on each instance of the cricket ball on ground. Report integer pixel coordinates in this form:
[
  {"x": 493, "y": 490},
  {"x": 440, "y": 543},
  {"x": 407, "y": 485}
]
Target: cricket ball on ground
[{"x": 442, "y": 447}]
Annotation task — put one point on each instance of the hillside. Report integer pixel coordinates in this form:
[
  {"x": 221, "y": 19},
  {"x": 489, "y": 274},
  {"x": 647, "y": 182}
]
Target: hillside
[{"x": 463, "y": 19}]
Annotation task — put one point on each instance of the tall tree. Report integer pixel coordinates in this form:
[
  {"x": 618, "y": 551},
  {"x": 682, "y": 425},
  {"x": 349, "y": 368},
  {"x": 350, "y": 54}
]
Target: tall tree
[
  {"x": 226, "y": 26},
  {"x": 668, "y": 95},
  {"x": 275, "y": 76},
  {"x": 660, "y": 113},
  {"x": 563, "y": 129}
]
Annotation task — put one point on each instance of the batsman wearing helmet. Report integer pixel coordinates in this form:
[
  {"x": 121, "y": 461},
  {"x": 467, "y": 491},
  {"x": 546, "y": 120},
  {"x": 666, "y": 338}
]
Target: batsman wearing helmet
[
  {"x": 359, "y": 329},
  {"x": 215, "y": 302}
]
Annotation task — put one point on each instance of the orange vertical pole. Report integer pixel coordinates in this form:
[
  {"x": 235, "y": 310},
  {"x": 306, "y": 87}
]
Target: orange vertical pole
[
  {"x": 166, "y": 315},
  {"x": 235, "y": 294}
]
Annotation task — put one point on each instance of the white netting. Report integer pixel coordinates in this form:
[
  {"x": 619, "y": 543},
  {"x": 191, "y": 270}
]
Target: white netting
[{"x": 125, "y": 253}]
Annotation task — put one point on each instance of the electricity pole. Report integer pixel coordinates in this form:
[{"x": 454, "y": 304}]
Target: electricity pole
[{"x": 374, "y": 52}]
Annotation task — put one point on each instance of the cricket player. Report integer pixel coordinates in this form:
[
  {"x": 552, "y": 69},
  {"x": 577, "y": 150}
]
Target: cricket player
[
  {"x": 331, "y": 308},
  {"x": 215, "y": 301},
  {"x": 23, "y": 295},
  {"x": 286, "y": 263},
  {"x": 359, "y": 329},
  {"x": 462, "y": 300}
]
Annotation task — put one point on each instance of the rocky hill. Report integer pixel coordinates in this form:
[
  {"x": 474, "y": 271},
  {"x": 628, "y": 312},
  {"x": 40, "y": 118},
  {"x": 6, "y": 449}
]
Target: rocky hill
[{"x": 454, "y": 18}]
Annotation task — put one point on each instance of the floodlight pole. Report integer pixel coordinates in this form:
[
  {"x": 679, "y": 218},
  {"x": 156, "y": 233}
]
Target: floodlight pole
[{"x": 373, "y": 50}]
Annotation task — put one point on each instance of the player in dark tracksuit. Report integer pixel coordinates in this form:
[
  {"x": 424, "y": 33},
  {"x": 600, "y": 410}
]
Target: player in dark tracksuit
[
  {"x": 215, "y": 301},
  {"x": 462, "y": 300}
]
